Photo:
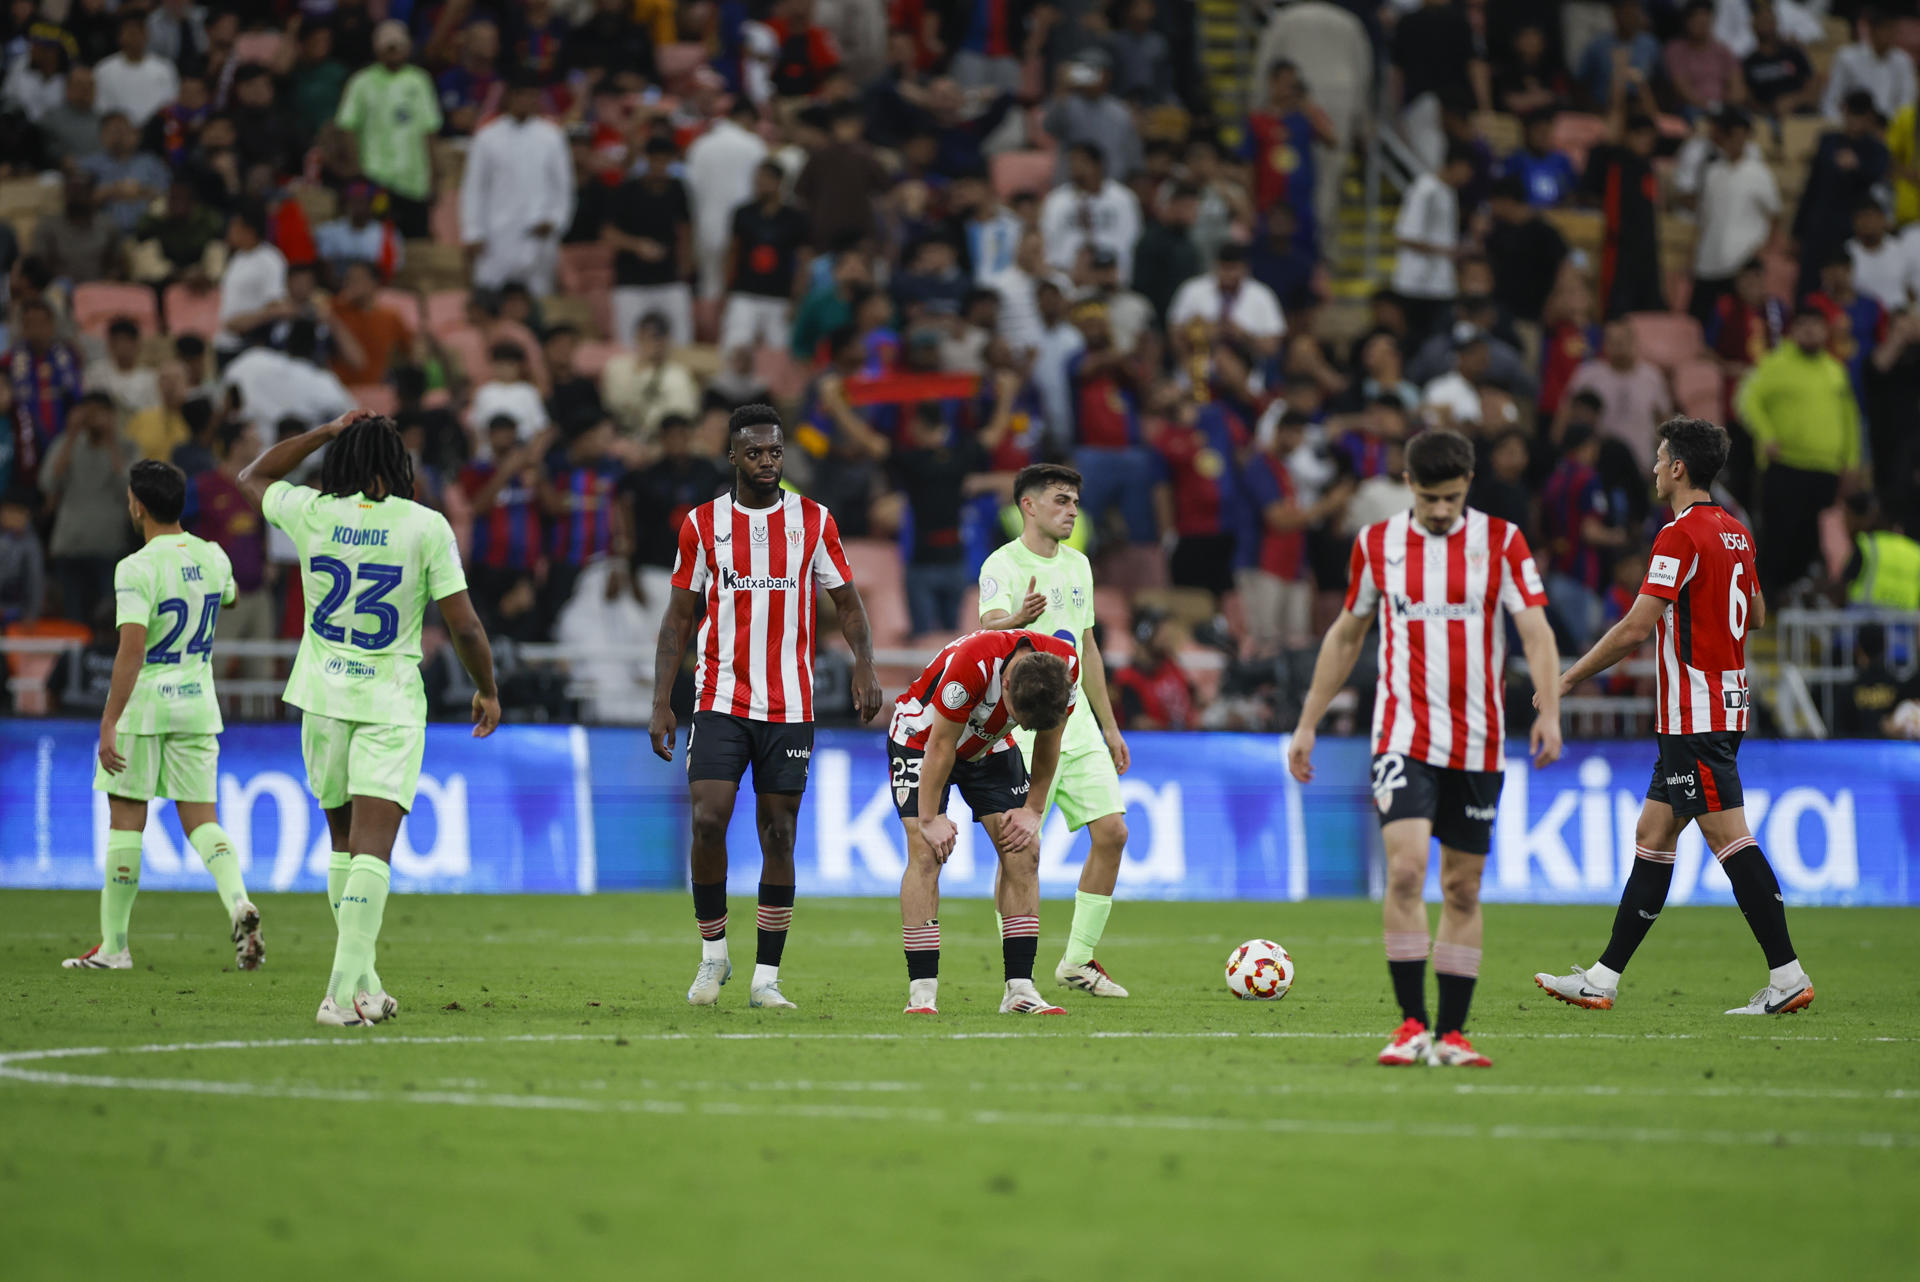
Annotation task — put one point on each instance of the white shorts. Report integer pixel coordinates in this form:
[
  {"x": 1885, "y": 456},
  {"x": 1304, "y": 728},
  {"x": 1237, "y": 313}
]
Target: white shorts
[
  {"x": 754, "y": 320},
  {"x": 674, "y": 301}
]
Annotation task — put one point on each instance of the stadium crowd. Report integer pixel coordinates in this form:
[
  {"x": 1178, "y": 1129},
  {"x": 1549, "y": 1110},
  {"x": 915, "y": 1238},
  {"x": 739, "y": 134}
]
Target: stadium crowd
[{"x": 560, "y": 240}]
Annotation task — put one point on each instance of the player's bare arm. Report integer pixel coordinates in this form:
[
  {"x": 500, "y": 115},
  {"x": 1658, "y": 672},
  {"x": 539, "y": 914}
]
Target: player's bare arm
[
  {"x": 938, "y": 831},
  {"x": 1543, "y": 661},
  {"x": 1093, "y": 684},
  {"x": 675, "y": 631},
  {"x": 1032, "y": 606},
  {"x": 279, "y": 461},
  {"x": 1021, "y": 828},
  {"x": 469, "y": 637},
  {"x": 1621, "y": 640},
  {"x": 1338, "y": 653},
  {"x": 859, "y": 634},
  {"x": 127, "y": 661}
]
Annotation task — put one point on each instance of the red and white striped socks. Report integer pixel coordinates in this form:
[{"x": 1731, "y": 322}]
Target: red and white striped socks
[
  {"x": 772, "y": 920},
  {"x": 922, "y": 945},
  {"x": 1019, "y": 945}
]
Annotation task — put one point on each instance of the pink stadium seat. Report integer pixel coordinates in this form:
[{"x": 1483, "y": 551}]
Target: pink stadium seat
[
  {"x": 1666, "y": 338},
  {"x": 257, "y": 46},
  {"x": 1783, "y": 275},
  {"x": 1111, "y": 612},
  {"x": 377, "y": 397},
  {"x": 466, "y": 346},
  {"x": 784, "y": 378},
  {"x": 1700, "y": 388},
  {"x": 403, "y": 303},
  {"x": 446, "y": 311},
  {"x": 876, "y": 567},
  {"x": 1017, "y": 171},
  {"x": 191, "y": 311},
  {"x": 589, "y": 358},
  {"x": 583, "y": 267},
  {"x": 677, "y": 62},
  {"x": 98, "y": 303}
]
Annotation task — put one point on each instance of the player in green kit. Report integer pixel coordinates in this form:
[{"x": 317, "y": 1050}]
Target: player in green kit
[
  {"x": 370, "y": 560},
  {"x": 158, "y": 734},
  {"x": 1037, "y": 582}
]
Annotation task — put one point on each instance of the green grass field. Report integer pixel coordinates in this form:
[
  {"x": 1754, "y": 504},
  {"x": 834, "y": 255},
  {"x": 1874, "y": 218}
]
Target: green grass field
[{"x": 547, "y": 1105}]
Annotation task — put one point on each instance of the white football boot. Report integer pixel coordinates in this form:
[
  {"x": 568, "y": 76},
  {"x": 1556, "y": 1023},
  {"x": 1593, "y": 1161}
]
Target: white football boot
[
  {"x": 1411, "y": 1044},
  {"x": 1577, "y": 989},
  {"x": 333, "y": 1016},
  {"x": 922, "y": 994},
  {"x": 1455, "y": 1051},
  {"x": 1024, "y": 999},
  {"x": 373, "y": 1007},
  {"x": 768, "y": 996},
  {"x": 94, "y": 959},
  {"x": 1778, "y": 1001},
  {"x": 1091, "y": 978},
  {"x": 713, "y": 972},
  {"x": 249, "y": 949}
]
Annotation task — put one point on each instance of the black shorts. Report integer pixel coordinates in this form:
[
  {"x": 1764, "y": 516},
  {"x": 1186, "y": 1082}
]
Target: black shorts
[
  {"x": 1697, "y": 774},
  {"x": 720, "y": 746},
  {"x": 1460, "y": 803},
  {"x": 992, "y": 785}
]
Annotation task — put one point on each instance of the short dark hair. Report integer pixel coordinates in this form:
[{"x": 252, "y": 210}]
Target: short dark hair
[
  {"x": 560, "y": 329},
  {"x": 1701, "y": 445},
  {"x": 1039, "y": 687},
  {"x": 189, "y": 347},
  {"x": 1459, "y": 153},
  {"x": 96, "y": 398},
  {"x": 1510, "y": 187},
  {"x": 506, "y": 351},
  {"x": 675, "y": 422},
  {"x": 758, "y": 414},
  {"x": 1439, "y": 455},
  {"x": 1035, "y": 477},
  {"x": 1091, "y": 150},
  {"x": 122, "y": 327},
  {"x": 161, "y": 489}
]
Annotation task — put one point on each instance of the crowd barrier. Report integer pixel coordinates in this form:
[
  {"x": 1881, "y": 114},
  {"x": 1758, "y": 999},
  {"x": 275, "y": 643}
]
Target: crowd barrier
[{"x": 568, "y": 809}]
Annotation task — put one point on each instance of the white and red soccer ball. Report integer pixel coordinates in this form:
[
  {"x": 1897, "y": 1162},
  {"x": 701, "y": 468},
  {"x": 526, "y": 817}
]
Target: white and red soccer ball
[{"x": 1259, "y": 971}]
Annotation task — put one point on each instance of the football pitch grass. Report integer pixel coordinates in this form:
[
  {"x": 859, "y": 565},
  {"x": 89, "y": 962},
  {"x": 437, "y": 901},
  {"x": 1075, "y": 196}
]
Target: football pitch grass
[{"x": 548, "y": 1105}]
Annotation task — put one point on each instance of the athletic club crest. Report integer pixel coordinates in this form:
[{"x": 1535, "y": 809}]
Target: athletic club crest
[{"x": 793, "y": 538}]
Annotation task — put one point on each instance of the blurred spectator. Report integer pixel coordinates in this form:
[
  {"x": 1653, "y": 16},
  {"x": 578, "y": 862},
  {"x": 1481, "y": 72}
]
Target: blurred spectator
[
  {"x": 1883, "y": 570},
  {"x": 1529, "y": 77},
  {"x": 126, "y": 181},
  {"x": 1739, "y": 208},
  {"x": 843, "y": 181},
  {"x": 1453, "y": 399},
  {"x": 1017, "y": 286},
  {"x": 1703, "y": 73},
  {"x": 72, "y": 126},
  {"x": 23, "y": 563},
  {"x": 1620, "y": 176},
  {"x": 1525, "y": 251},
  {"x": 158, "y": 430},
  {"x": 191, "y": 351},
  {"x": 1142, "y": 58},
  {"x": 1089, "y": 209},
  {"x": 265, "y": 133},
  {"x": 45, "y": 376},
  {"x": 573, "y": 398},
  {"x": 137, "y": 82},
  {"x": 316, "y": 80},
  {"x": 1778, "y": 75},
  {"x": 377, "y": 332},
  {"x": 1104, "y": 399},
  {"x": 391, "y": 110},
  {"x": 1276, "y": 593},
  {"x": 1634, "y": 392},
  {"x": 305, "y": 302},
  {"x": 177, "y": 31},
  {"x": 253, "y": 290},
  {"x": 611, "y": 44},
  {"x": 1856, "y": 322},
  {"x": 656, "y": 499},
  {"x": 225, "y": 515},
  {"x": 85, "y": 477},
  {"x": 78, "y": 245},
  {"x": 1435, "y": 59},
  {"x": 509, "y": 390},
  {"x": 1280, "y": 142},
  {"x": 618, "y": 678},
  {"x": 1883, "y": 269},
  {"x": 1580, "y": 525},
  {"x": 1866, "y": 704},
  {"x": 1892, "y": 408},
  {"x": 37, "y": 82},
  {"x": 470, "y": 88},
  {"x": 1545, "y": 174},
  {"x": 723, "y": 167},
  {"x": 516, "y": 195},
  {"x": 1427, "y": 232},
  {"x": 1799, "y": 407},
  {"x": 824, "y": 311},
  {"x": 930, "y": 286},
  {"x": 445, "y": 441},
  {"x": 1747, "y": 323},
  {"x": 196, "y": 454},
  {"x": 1199, "y": 494},
  {"x": 503, "y": 489},
  {"x": 989, "y": 234},
  {"x": 1059, "y": 342},
  {"x": 1154, "y": 692},
  {"x": 1279, "y": 261},
  {"x": 938, "y": 469},
  {"x": 1382, "y": 372},
  {"x": 275, "y": 385},
  {"x": 1737, "y": 22},
  {"x": 1602, "y": 56},
  {"x": 356, "y": 236},
  {"x": 132, "y": 386},
  {"x": 845, "y": 449},
  {"x": 1167, "y": 256},
  {"x": 1381, "y": 495},
  {"x": 182, "y": 240},
  {"x": 1850, "y": 163},
  {"x": 1500, "y": 481},
  {"x": 650, "y": 226},
  {"x": 1228, "y": 304},
  {"x": 1875, "y": 66},
  {"x": 1129, "y": 314},
  {"x": 577, "y": 495},
  {"x": 1083, "y": 112},
  {"x": 640, "y": 388}
]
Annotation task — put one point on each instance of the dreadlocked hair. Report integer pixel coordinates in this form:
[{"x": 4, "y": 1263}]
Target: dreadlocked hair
[{"x": 368, "y": 455}]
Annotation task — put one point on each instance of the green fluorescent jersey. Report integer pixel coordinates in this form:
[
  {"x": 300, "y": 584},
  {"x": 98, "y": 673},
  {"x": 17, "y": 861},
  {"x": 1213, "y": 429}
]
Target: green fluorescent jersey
[
  {"x": 174, "y": 586},
  {"x": 367, "y": 570},
  {"x": 1067, "y": 579}
]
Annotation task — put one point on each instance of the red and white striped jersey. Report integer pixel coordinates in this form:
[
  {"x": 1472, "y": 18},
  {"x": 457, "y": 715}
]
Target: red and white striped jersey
[
  {"x": 1443, "y": 644},
  {"x": 1702, "y": 567},
  {"x": 758, "y": 569},
  {"x": 963, "y": 684}
]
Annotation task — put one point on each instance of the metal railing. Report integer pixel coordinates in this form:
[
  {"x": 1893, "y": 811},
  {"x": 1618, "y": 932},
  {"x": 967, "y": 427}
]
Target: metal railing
[{"x": 1816, "y": 645}]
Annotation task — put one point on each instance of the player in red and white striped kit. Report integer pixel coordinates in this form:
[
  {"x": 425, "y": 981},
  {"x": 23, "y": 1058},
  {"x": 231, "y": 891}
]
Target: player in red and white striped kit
[
  {"x": 748, "y": 566},
  {"x": 1439, "y": 577},
  {"x": 952, "y": 728},
  {"x": 1699, "y": 600}
]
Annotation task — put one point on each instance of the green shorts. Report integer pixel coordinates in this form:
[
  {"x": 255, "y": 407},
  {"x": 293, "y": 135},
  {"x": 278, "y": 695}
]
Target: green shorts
[
  {"x": 1086, "y": 787},
  {"x": 347, "y": 759},
  {"x": 179, "y": 767}
]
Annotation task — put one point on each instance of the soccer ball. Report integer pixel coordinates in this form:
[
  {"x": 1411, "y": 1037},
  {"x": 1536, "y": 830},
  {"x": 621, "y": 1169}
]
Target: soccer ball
[{"x": 1259, "y": 970}]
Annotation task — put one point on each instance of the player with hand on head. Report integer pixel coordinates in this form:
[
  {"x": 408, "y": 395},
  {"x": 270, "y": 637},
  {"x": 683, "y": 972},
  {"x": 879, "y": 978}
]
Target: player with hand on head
[
  {"x": 370, "y": 561},
  {"x": 158, "y": 733},
  {"x": 753, "y": 559},
  {"x": 1037, "y": 582},
  {"x": 1439, "y": 577},
  {"x": 951, "y": 728},
  {"x": 1699, "y": 600}
]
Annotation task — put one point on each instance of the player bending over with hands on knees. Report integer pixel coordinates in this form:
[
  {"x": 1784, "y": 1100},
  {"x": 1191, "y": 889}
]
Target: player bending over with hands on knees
[
  {"x": 1438, "y": 577},
  {"x": 1698, "y": 601},
  {"x": 370, "y": 560},
  {"x": 951, "y": 727}
]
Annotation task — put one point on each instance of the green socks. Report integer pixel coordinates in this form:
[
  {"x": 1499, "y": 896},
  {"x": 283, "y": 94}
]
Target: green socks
[
  {"x": 118, "y": 891},
  {"x": 338, "y": 864},
  {"x": 1089, "y": 923},
  {"x": 363, "y": 901},
  {"x": 216, "y": 852}
]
